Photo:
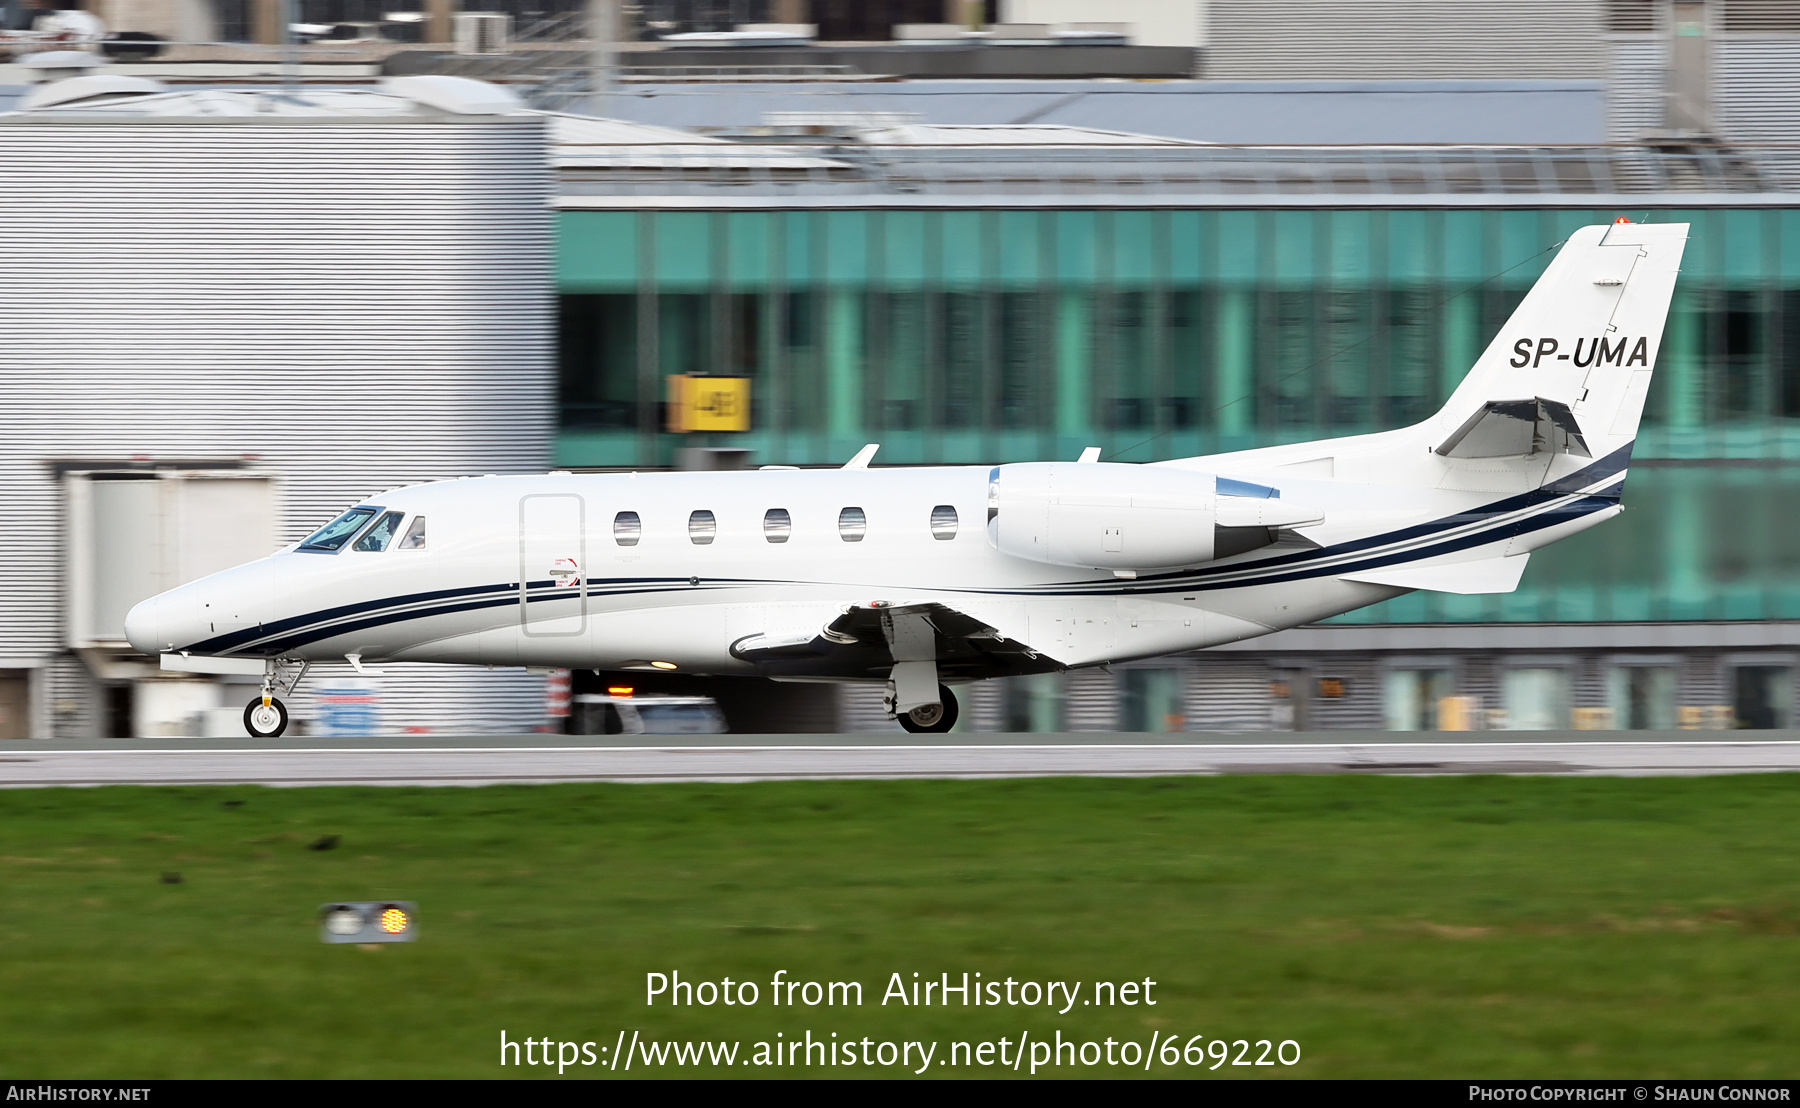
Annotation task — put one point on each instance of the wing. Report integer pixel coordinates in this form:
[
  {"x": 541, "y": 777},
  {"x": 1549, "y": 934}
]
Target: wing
[{"x": 854, "y": 646}]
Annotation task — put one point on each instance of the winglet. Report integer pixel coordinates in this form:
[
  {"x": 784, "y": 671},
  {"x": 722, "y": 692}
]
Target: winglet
[
  {"x": 1089, "y": 454},
  {"x": 863, "y": 457}
]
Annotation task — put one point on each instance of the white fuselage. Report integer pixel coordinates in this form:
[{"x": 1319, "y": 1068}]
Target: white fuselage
[{"x": 480, "y": 590}]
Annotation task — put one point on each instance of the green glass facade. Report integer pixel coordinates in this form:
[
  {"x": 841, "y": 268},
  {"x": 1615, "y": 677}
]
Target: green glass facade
[{"x": 977, "y": 335}]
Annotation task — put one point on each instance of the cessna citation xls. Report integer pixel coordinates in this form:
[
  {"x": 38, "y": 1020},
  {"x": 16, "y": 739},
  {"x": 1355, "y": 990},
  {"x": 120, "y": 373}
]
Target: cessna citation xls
[{"x": 921, "y": 578}]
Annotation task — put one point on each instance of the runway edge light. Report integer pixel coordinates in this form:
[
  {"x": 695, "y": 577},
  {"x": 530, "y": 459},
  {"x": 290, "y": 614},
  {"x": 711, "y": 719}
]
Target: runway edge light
[{"x": 368, "y": 921}]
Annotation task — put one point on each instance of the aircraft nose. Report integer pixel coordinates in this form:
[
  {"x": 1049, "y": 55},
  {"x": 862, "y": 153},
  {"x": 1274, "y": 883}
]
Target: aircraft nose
[{"x": 144, "y": 626}]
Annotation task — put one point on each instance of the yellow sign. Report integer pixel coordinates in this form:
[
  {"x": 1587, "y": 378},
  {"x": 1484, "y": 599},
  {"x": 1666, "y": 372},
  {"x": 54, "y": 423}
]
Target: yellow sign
[{"x": 708, "y": 403}]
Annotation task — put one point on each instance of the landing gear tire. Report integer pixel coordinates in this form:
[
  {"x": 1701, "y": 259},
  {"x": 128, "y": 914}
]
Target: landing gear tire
[
  {"x": 265, "y": 721},
  {"x": 932, "y": 719}
]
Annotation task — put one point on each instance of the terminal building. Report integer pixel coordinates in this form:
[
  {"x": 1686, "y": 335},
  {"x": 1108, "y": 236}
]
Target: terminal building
[{"x": 974, "y": 272}]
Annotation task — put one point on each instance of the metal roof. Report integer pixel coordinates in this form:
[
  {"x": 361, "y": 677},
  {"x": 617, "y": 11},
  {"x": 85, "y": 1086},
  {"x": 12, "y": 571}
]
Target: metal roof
[
  {"x": 421, "y": 97},
  {"x": 1036, "y": 135},
  {"x": 1528, "y": 113},
  {"x": 864, "y": 171},
  {"x": 586, "y": 143}
]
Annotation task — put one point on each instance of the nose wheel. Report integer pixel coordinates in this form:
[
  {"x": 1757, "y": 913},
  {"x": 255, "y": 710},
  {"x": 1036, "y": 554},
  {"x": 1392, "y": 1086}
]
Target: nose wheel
[
  {"x": 265, "y": 718},
  {"x": 931, "y": 719}
]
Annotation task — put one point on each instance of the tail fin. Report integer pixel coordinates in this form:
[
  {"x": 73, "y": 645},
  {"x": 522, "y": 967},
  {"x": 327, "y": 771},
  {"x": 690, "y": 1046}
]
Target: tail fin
[{"x": 1570, "y": 370}]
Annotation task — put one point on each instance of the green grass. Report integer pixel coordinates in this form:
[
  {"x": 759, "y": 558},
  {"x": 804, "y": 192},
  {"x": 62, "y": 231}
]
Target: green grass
[{"x": 1450, "y": 927}]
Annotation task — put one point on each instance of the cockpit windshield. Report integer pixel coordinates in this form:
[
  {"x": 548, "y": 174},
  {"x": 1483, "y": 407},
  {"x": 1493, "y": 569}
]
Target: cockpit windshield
[
  {"x": 376, "y": 538},
  {"x": 331, "y": 538}
]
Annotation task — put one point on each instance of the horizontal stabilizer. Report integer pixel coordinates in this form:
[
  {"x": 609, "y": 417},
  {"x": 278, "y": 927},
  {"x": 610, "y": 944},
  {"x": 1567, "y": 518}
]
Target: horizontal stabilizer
[
  {"x": 1510, "y": 428},
  {"x": 1484, "y": 576}
]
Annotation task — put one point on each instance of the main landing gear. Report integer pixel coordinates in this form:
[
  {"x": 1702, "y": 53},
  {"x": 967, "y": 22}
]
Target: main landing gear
[
  {"x": 266, "y": 717},
  {"x": 931, "y": 719}
]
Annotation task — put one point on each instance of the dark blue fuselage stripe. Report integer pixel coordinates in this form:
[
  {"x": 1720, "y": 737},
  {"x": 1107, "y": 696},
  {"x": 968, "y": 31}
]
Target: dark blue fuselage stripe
[{"x": 295, "y": 631}]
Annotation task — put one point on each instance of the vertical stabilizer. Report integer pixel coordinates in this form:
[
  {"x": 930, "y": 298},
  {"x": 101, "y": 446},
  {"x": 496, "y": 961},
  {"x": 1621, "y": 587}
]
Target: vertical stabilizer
[{"x": 1577, "y": 355}]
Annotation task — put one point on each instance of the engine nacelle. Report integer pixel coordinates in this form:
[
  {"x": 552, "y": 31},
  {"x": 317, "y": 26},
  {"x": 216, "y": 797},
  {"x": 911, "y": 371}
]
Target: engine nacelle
[{"x": 1102, "y": 515}]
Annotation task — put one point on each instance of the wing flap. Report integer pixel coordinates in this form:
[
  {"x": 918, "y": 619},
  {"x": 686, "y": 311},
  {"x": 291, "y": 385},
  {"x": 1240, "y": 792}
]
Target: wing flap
[{"x": 1488, "y": 575}]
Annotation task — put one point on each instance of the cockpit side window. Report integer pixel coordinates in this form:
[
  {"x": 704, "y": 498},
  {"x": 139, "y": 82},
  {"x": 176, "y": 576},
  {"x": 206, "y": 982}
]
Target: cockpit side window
[
  {"x": 331, "y": 538},
  {"x": 376, "y": 538},
  {"x": 415, "y": 535}
]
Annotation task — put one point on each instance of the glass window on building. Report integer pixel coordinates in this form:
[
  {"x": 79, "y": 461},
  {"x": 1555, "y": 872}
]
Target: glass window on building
[
  {"x": 1536, "y": 698},
  {"x": 1152, "y": 701},
  {"x": 984, "y": 335},
  {"x": 1412, "y": 697},
  {"x": 1763, "y": 697},
  {"x": 1642, "y": 698},
  {"x": 1034, "y": 703},
  {"x": 598, "y": 355}
]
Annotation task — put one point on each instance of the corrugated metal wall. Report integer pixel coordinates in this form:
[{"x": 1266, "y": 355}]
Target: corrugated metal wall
[
  {"x": 1634, "y": 87},
  {"x": 1091, "y": 700},
  {"x": 1363, "y": 705},
  {"x": 860, "y": 710},
  {"x": 983, "y": 706},
  {"x": 1755, "y": 78},
  {"x": 1226, "y": 693},
  {"x": 1757, "y": 97},
  {"x": 358, "y": 304},
  {"x": 1404, "y": 39}
]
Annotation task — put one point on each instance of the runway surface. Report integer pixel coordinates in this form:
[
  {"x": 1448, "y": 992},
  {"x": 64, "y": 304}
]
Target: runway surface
[{"x": 488, "y": 760}]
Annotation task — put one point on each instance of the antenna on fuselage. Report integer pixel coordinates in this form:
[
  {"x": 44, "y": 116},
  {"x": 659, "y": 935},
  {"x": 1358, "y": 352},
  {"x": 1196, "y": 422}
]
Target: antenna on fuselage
[{"x": 863, "y": 457}]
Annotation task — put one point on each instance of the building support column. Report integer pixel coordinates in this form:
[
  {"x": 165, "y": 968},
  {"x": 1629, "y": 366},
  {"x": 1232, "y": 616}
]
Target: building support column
[
  {"x": 1234, "y": 376},
  {"x": 603, "y": 28},
  {"x": 1462, "y": 341},
  {"x": 843, "y": 363},
  {"x": 1075, "y": 366},
  {"x": 266, "y": 22},
  {"x": 1679, "y": 360},
  {"x": 438, "y": 23}
]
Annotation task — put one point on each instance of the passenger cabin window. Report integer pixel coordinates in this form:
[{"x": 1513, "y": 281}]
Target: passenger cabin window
[
  {"x": 777, "y": 525},
  {"x": 627, "y": 528},
  {"x": 415, "y": 535},
  {"x": 376, "y": 538},
  {"x": 852, "y": 525},
  {"x": 702, "y": 527},
  {"x": 331, "y": 538},
  {"x": 943, "y": 522}
]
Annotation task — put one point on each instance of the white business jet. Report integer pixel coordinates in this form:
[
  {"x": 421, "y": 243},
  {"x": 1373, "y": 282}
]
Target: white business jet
[{"x": 922, "y": 578}]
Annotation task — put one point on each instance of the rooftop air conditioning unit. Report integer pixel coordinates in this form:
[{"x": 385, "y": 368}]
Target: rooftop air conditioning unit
[{"x": 482, "y": 32}]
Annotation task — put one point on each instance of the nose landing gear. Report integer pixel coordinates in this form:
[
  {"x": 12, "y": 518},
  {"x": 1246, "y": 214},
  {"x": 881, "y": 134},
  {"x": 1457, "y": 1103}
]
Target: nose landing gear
[{"x": 266, "y": 717}]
